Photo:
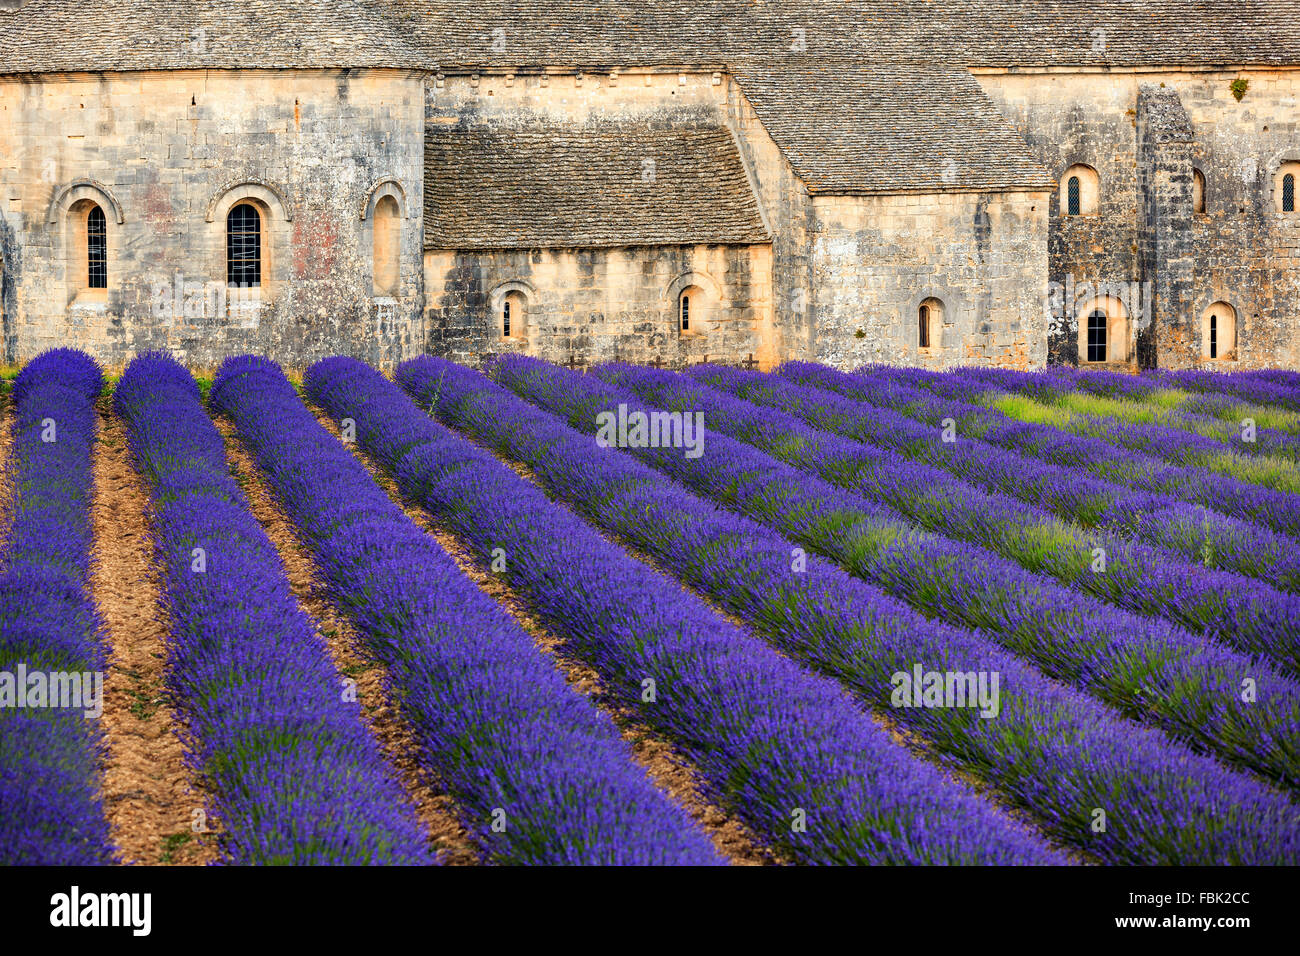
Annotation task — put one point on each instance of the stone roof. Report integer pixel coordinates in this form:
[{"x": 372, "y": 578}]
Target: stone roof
[
  {"x": 661, "y": 180},
  {"x": 63, "y": 35},
  {"x": 1090, "y": 33},
  {"x": 54, "y": 36},
  {"x": 877, "y": 128}
]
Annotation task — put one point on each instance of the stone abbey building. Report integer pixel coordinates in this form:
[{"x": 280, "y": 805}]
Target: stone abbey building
[{"x": 934, "y": 182}]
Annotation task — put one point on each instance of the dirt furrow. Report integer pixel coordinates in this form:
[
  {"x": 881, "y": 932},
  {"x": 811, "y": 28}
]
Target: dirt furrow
[
  {"x": 900, "y": 733},
  {"x": 155, "y": 805},
  {"x": 8, "y": 467},
  {"x": 433, "y": 806},
  {"x": 665, "y": 766}
]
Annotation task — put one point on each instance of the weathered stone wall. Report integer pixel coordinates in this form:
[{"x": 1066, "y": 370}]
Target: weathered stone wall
[
  {"x": 1240, "y": 251},
  {"x": 159, "y": 151},
  {"x": 594, "y": 305},
  {"x": 788, "y": 210},
  {"x": 984, "y": 256},
  {"x": 1166, "y": 253}
]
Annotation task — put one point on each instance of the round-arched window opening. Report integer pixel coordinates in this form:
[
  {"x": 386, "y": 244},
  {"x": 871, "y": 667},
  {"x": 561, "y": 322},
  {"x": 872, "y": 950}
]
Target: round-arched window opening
[
  {"x": 244, "y": 246},
  {"x": 1286, "y": 185},
  {"x": 1104, "y": 331},
  {"x": 1080, "y": 191},
  {"x": 386, "y": 225},
  {"x": 1219, "y": 333},
  {"x": 1198, "y": 192},
  {"x": 929, "y": 323},
  {"x": 514, "y": 316},
  {"x": 690, "y": 311}
]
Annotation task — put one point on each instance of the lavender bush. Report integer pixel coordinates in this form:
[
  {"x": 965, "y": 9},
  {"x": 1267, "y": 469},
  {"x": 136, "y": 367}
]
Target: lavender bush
[
  {"x": 294, "y": 774},
  {"x": 51, "y": 810},
  {"x": 1049, "y": 749},
  {"x": 1194, "y": 533},
  {"x": 1277, "y": 510},
  {"x": 1146, "y": 668},
  {"x": 1238, "y": 610},
  {"x": 774, "y": 744},
  {"x": 537, "y": 773}
]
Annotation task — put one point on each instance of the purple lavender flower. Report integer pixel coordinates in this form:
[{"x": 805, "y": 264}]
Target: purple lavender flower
[
  {"x": 537, "y": 773},
  {"x": 294, "y": 775},
  {"x": 51, "y": 810},
  {"x": 1050, "y": 750},
  {"x": 785, "y": 751}
]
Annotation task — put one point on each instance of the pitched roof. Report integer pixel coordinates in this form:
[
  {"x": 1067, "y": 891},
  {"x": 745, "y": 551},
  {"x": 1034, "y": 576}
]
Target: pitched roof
[
  {"x": 878, "y": 128},
  {"x": 53, "y": 36},
  {"x": 661, "y": 180},
  {"x": 58, "y": 35},
  {"x": 1090, "y": 33}
]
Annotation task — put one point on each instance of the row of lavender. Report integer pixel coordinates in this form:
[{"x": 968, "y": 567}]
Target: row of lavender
[
  {"x": 537, "y": 774},
  {"x": 1162, "y": 521},
  {"x": 1199, "y": 432},
  {"x": 52, "y": 655},
  {"x": 886, "y": 457},
  {"x": 783, "y": 750},
  {"x": 1147, "y": 668},
  {"x": 1114, "y": 790},
  {"x": 902, "y": 390},
  {"x": 293, "y": 773}
]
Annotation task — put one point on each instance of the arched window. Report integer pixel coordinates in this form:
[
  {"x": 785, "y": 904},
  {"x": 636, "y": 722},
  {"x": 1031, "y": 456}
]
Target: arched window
[
  {"x": 1097, "y": 336},
  {"x": 387, "y": 226},
  {"x": 1198, "y": 192},
  {"x": 1080, "y": 191},
  {"x": 1284, "y": 183},
  {"x": 96, "y": 249},
  {"x": 1105, "y": 333},
  {"x": 244, "y": 246},
  {"x": 87, "y": 251},
  {"x": 929, "y": 319},
  {"x": 1219, "y": 332},
  {"x": 689, "y": 302},
  {"x": 514, "y": 316}
]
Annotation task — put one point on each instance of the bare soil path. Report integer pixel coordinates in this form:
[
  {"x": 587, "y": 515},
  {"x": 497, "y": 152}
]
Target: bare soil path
[
  {"x": 665, "y": 766},
  {"x": 150, "y": 795},
  {"x": 8, "y": 466},
  {"x": 433, "y": 806}
]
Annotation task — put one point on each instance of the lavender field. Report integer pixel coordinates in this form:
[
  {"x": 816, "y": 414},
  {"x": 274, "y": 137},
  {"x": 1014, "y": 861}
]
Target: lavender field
[{"x": 529, "y": 614}]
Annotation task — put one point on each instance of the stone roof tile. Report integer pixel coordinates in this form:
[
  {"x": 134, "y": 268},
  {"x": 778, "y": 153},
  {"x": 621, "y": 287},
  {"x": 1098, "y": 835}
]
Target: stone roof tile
[
  {"x": 652, "y": 180},
  {"x": 876, "y": 128}
]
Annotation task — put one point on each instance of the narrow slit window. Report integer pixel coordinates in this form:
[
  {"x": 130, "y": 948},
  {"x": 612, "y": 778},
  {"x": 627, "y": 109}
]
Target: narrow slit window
[
  {"x": 1214, "y": 336},
  {"x": 1073, "y": 191},
  {"x": 686, "y": 312},
  {"x": 925, "y": 326},
  {"x": 1288, "y": 193},
  {"x": 244, "y": 246},
  {"x": 505, "y": 319},
  {"x": 1097, "y": 336},
  {"x": 96, "y": 249}
]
